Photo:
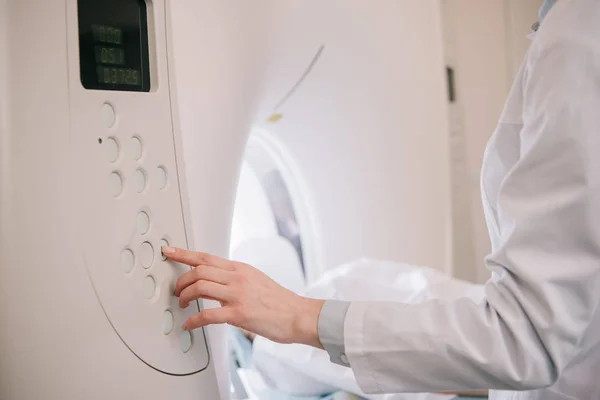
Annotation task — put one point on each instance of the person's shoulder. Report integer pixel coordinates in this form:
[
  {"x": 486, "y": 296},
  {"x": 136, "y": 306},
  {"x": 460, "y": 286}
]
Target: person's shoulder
[
  {"x": 571, "y": 22},
  {"x": 570, "y": 31}
]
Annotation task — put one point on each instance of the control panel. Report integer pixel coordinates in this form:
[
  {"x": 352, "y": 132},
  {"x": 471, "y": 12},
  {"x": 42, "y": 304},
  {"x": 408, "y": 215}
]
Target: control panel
[{"x": 130, "y": 197}]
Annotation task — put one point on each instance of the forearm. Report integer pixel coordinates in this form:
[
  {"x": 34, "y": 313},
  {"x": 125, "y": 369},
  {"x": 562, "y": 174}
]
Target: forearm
[{"x": 305, "y": 328}]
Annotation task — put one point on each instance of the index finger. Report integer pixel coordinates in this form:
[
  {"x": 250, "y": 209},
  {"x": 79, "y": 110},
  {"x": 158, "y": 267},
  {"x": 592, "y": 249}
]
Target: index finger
[{"x": 194, "y": 258}]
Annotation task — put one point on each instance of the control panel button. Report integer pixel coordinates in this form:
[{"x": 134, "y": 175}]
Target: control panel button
[
  {"x": 146, "y": 255},
  {"x": 149, "y": 287},
  {"x": 115, "y": 184},
  {"x": 111, "y": 147},
  {"x": 127, "y": 261},
  {"x": 168, "y": 322},
  {"x": 185, "y": 341},
  {"x": 161, "y": 177},
  {"x": 163, "y": 243},
  {"x": 137, "y": 149},
  {"x": 139, "y": 180},
  {"x": 108, "y": 115},
  {"x": 143, "y": 222}
]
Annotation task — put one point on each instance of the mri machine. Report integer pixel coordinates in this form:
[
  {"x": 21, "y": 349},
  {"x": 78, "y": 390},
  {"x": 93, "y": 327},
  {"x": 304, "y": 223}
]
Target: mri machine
[{"x": 123, "y": 126}]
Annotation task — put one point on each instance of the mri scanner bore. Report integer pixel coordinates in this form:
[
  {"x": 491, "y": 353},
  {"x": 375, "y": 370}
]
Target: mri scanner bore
[{"x": 273, "y": 227}]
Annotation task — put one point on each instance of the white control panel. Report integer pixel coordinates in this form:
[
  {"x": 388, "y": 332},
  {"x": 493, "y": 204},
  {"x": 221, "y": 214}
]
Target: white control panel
[{"x": 131, "y": 197}]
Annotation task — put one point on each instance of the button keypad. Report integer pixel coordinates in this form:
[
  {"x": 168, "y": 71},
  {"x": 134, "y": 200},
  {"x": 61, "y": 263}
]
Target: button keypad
[{"x": 149, "y": 255}]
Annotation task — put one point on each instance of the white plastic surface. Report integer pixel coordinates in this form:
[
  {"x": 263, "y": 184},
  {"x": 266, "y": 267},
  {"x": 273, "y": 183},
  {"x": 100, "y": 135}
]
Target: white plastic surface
[
  {"x": 146, "y": 255},
  {"x": 127, "y": 261},
  {"x": 112, "y": 149},
  {"x": 149, "y": 287},
  {"x": 161, "y": 177},
  {"x": 136, "y": 148},
  {"x": 146, "y": 125},
  {"x": 168, "y": 322},
  {"x": 108, "y": 115},
  {"x": 186, "y": 341},
  {"x": 143, "y": 222},
  {"x": 115, "y": 183},
  {"x": 49, "y": 123},
  {"x": 139, "y": 180}
]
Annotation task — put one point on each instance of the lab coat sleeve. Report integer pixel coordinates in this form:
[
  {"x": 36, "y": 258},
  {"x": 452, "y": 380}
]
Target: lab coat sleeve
[
  {"x": 545, "y": 288},
  {"x": 331, "y": 330}
]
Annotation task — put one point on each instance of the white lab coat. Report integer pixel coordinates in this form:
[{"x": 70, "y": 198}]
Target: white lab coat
[{"x": 537, "y": 334}]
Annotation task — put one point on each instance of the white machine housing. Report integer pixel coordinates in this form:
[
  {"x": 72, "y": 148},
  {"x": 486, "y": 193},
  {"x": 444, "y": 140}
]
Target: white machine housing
[{"x": 92, "y": 184}]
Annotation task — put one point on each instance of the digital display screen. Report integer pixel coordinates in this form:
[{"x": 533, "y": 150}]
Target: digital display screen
[{"x": 113, "y": 45}]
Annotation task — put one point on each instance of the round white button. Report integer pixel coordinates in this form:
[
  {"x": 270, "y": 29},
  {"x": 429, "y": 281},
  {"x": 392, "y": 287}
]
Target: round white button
[
  {"x": 127, "y": 260},
  {"x": 139, "y": 180},
  {"x": 112, "y": 150},
  {"x": 149, "y": 287},
  {"x": 185, "y": 341},
  {"x": 344, "y": 359},
  {"x": 143, "y": 222},
  {"x": 163, "y": 243},
  {"x": 115, "y": 183},
  {"x": 168, "y": 322},
  {"x": 161, "y": 177},
  {"x": 108, "y": 115},
  {"x": 137, "y": 149},
  {"x": 146, "y": 255}
]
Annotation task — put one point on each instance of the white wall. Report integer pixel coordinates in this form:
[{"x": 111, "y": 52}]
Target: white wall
[
  {"x": 4, "y": 152},
  {"x": 484, "y": 43},
  {"x": 521, "y": 14}
]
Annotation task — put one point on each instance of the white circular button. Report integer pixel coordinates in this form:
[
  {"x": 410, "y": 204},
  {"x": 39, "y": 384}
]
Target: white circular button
[
  {"x": 344, "y": 359},
  {"x": 108, "y": 115},
  {"x": 168, "y": 322},
  {"x": 143, "y": 222},
  {"x": 163, "y": 243},
  {"x": 146, "y": 255},
  {"x": 137, "y": 149},
  {"x": 161, "y": 177},
  {"x": 112, "y": 149},
  {"x": 127, "y": 260},
  {"x": 139, "y": 180},
  {"x": 185, "y": 341},
  {"x": 115, "y": 183},
  {"x": 149, "y": 287}
]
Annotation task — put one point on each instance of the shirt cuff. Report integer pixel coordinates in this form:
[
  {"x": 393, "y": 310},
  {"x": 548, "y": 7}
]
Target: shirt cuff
[{"x": 331, "y": 330}]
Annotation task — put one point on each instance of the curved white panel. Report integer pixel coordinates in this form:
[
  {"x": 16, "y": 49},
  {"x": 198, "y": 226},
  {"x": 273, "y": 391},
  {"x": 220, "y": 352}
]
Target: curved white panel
[
  {"x": 368, "y": 128},
  {"x": 139, "y": 218},
  {"x": 81, "y": 327}
]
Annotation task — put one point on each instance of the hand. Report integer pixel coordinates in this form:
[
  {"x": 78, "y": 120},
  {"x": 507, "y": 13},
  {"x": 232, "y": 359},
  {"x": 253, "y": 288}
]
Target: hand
[{"x": 249, "y": 299}]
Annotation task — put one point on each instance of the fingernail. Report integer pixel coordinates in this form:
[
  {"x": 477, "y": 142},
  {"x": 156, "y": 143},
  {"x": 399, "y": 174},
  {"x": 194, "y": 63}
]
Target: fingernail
[{"x": 168, "y": 250}]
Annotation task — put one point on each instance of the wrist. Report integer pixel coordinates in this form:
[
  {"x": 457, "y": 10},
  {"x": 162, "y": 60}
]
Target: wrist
[{"x": 306, "y": 324}]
